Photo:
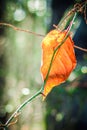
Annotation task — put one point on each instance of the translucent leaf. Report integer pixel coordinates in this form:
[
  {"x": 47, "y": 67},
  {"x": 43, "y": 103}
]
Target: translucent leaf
[{"x": 64, "y": 60}]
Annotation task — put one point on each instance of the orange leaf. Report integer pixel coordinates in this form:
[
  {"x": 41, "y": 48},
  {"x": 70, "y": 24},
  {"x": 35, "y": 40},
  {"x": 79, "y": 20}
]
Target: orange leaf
[{"x": 64, "y": 60}]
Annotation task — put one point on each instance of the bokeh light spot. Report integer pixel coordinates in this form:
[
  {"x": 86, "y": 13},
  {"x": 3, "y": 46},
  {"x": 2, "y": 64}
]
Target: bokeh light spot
[
  {"x": 59, "y": 116},
  {"x": 84, "y": 69},
  {"x": 9, "y": 108},
  {"x": 25, "y": 91},
  {"x": 19, "y": 15}
]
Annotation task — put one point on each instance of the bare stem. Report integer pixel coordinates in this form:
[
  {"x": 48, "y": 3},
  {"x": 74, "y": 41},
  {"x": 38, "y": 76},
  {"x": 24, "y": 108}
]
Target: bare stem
[
  {"x": 22, "y": 106},
  {"x": 78, "y": 7},
  {"x": 41, "y": 35},
  {"x": 22, "y": 30},
  {"x": 80, "y": 48}
]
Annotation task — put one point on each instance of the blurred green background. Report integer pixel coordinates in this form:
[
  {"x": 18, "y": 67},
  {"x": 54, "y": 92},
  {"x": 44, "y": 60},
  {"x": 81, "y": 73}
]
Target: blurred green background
[
  {"x": 20, "y": 60},
  {"x": 20, "y": 78}
]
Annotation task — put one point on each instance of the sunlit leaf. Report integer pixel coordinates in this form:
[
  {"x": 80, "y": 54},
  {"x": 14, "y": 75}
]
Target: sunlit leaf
[{"x": 64, "y": 60}]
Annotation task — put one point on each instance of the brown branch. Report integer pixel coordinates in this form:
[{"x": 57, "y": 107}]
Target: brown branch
[
  {"x": 80, "y": 48},
  {"x": 85, "y": 15},
  {"x": 27, "y": 31},
  {"x": 19, "y": 29},
  {"x": 78, "y": 7}
]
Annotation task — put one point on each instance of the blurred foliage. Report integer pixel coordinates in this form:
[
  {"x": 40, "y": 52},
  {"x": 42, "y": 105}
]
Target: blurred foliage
[
  {"x": 21, "y": 54},
  {"x": 67, "y": 106}
]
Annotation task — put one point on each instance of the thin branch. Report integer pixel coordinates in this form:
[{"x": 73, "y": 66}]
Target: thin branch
[
  {"x": 78, "y": 7},
  {"x": 19, "y": 29},
  {"x": 80, "y": 48},
  {"x": 85, "y": 14},
  {"x": 17, "y": 112},
  {"x": 27, "y": 31},
  {"x": 77, "y": 47}
]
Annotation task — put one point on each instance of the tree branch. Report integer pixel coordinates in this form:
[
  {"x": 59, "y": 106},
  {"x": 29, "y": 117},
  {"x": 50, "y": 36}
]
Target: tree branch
[{"x": 19, "y": 29}]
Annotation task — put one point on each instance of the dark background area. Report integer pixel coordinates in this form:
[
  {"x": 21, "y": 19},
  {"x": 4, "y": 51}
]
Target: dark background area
[{"x": 67, "y": 104}]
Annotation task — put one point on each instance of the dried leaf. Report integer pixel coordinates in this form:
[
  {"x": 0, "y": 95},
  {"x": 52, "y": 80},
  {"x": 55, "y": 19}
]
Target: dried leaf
[{"x": 64, "y": 60}]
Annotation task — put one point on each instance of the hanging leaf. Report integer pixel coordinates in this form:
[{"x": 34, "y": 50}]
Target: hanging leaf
[{"x": 64, "y": 59}]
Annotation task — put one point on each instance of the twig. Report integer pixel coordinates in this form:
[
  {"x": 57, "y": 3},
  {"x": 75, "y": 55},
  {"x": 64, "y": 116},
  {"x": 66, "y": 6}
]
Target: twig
[
  {"x": 27, "y": 31},
  {"x": 85, "y": 14},
  {"x": 22, "y": 106},
  {"x": 80, "y": 48},
  {"x": 77, "y": 8},
  {"x": 22, "y": 30}
]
